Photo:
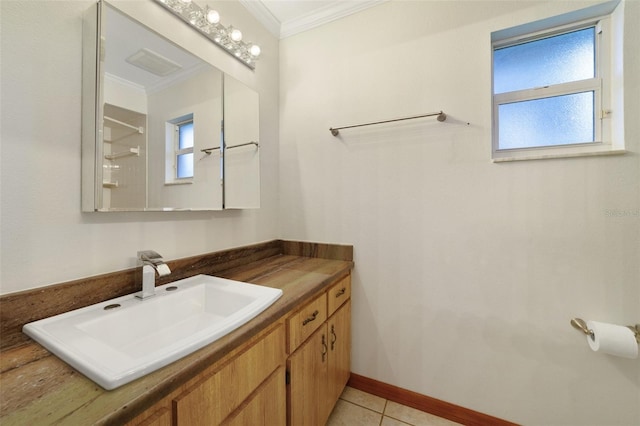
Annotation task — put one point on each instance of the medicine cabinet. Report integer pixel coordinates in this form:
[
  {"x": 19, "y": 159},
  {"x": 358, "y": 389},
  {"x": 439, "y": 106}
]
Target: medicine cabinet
[{"x": 163, "y": 129}]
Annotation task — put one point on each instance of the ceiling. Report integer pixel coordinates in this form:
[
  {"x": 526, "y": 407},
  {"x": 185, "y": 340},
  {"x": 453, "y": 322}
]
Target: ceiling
[
  {"x": 127, "y": 38},
  {"x": 284, "y": 18}
]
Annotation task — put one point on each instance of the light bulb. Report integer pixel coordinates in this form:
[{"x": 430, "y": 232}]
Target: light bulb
[
  {"x": 236, "y": 35},
  {"x": 254, "y": 50},
  {"x": 213, "y": 16}
]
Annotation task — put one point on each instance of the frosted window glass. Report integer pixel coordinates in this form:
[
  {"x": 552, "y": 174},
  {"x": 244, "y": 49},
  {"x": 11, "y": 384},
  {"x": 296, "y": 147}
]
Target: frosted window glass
[
  {"x": 185, "y": 166},
  {"x": 554, "y": 60},
  {"x": 186, "y": 136},
  {"x": 559, "y": 120}
]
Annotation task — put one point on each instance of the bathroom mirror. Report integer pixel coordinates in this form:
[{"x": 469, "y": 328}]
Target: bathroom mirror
[
  {"x": 163, "y": 129},
  {"x": 241, "y": 159}
]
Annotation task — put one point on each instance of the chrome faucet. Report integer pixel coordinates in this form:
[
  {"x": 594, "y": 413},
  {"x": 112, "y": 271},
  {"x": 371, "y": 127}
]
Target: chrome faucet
[{"x": 151, "y": 263}]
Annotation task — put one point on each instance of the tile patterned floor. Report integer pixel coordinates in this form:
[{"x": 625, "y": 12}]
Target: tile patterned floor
[{"x": 357, "y": 408}]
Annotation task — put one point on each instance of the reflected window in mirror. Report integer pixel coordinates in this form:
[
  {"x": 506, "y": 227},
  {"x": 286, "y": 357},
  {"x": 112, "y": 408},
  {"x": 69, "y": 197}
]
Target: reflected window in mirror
[
  {"x": 184, "y": 151},
  {"x": 180, "y": 134}
]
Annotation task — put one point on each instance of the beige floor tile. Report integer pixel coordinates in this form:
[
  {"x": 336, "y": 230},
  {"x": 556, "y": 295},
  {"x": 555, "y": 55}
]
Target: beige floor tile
[
  {"x": 414, "y": 417},
  {"x": 388, "y": 421},
  {"x": 348, "y": 414},
  {"x": 363, "y": 399}
]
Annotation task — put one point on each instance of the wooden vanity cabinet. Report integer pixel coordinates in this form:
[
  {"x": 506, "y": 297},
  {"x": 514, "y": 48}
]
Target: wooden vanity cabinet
[
  {"x": 247, "y": 388},
  {"x": 319, "y": 367},
  {"x": 258, "y": 385}
]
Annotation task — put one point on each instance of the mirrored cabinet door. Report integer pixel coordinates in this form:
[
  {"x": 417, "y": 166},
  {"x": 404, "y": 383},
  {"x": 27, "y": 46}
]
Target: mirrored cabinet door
[
  {"x": 186, "y": 118},
  {"x": 242, "y": 147},
  {"x": 153, "y": 117},
  {"x": 124, "y": 165}
]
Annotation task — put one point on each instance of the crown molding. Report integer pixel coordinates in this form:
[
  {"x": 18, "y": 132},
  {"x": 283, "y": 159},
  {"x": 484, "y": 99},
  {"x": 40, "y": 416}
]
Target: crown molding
[
  {"x": 330, "y": 12},
  {"x": 264, "y": 15},
  {"x": 160, "y": 84},
  {"x": 124, "y": 82}
]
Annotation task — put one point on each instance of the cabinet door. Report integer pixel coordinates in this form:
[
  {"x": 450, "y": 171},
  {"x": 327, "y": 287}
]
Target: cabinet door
[
  {"x": 306, "y": 393},
  {"x": 339, "y": 331},
  {"x": 159, "y": 416},
  {"x": 214, "y": 398},
  {"x": 266, "y": 407}
]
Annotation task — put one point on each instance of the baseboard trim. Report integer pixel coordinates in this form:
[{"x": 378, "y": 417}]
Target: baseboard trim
[{"x": 425, "y": 403}]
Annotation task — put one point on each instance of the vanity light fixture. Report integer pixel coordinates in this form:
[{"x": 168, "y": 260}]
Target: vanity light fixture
[{"x": 207, "y": 22}]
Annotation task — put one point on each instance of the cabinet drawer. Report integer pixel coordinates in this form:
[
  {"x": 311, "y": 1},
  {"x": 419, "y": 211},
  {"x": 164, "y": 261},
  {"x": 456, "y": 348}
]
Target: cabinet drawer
[
  {"x": 307, "y": 320},
  {"x": 214, "y": 398},
  {"x": 338, "y": 294}
]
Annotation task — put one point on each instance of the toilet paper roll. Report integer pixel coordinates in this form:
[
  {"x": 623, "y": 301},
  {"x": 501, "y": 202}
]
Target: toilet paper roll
[
  {"x": 612, "y": 339},
  {"x": 163, "y": 269}
]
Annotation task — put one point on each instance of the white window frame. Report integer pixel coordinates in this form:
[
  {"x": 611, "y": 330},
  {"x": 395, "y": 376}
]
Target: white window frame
[
  {"x": 172, "y": 132},
  {"x": 600, "y": 85},
  {"x": 178, "y": 152}
]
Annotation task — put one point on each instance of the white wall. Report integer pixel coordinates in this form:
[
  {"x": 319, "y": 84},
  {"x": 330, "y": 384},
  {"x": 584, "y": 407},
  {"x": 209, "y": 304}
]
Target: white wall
[
  {"x": 45, "y": 237},
  {"x": 467, "y": 272}
]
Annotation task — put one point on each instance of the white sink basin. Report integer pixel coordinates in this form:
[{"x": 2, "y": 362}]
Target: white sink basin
[{"x": 115, "y": 345}]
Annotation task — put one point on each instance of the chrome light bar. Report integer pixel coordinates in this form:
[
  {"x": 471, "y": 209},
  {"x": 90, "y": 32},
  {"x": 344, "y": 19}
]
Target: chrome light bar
[{"x": 207, "y": 22}]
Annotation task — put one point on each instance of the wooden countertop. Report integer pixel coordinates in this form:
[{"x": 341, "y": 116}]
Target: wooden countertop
[{"x": 37, "y": 388}]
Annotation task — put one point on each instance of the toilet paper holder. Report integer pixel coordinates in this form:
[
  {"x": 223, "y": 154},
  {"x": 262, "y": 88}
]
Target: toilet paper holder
[{"x": 580, "y": 324}]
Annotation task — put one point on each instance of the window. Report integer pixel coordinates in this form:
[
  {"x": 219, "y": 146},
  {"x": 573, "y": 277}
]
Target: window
[
  {"x": 551, "y": 92},
  {"x": 184, "y": 149},
  {"x": 179, "y": 164}
]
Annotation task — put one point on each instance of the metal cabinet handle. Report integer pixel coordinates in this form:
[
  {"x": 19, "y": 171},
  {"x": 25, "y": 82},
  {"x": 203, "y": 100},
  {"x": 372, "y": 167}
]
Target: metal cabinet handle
[
  {"x": 311, "y": 317},
  {"x": 334, "y": 337},
  {"x": 324, "y": 348},
  {"x": 341, "y": 292}
]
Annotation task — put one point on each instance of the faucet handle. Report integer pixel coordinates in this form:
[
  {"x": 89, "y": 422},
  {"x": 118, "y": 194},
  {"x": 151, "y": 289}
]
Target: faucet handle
[{"x": 149, "y": 256}]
